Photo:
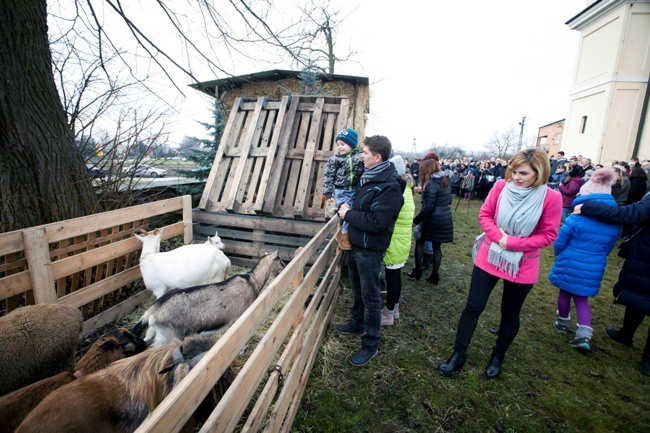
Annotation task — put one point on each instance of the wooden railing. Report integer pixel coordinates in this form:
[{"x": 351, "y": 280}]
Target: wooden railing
[{"x": 91, "y": 262}]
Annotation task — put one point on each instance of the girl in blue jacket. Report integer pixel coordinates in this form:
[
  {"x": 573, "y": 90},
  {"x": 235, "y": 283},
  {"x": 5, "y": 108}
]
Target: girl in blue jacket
[{"x": 581, "y": 251}]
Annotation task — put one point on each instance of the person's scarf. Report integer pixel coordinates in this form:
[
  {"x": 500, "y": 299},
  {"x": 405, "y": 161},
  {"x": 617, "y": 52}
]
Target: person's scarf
[
  {"x": 519, "y": 210},
  {"x": 370, "y": 173}
]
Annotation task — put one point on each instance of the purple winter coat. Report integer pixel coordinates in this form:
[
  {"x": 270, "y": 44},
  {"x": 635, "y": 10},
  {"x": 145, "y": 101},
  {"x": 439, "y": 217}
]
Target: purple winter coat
[{"x": 570, "y": 190}]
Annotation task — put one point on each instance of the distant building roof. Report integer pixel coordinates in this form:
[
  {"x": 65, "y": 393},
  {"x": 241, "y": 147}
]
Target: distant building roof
[
  {"x": 211, "y": 87},
  {"x": 552, "y": 123}
]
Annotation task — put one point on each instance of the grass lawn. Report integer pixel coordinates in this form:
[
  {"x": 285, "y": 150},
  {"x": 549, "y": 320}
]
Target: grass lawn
[{"x": 545, "y": 385}]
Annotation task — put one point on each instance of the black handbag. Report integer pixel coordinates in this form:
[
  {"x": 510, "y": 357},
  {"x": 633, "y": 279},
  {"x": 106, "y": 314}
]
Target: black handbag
[{"x": 624, "y": 247}]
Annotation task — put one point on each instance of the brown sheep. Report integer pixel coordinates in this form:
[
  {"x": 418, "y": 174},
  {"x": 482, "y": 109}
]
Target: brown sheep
[
  {"x": 117, "y": 344},
  {"x": 37, "y": 342},
  {"x": 118, "y": 398}
]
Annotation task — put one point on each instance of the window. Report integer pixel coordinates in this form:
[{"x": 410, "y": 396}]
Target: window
[
  {"x": 583, "y": 124},
  {"x": 542, "y": 141},
  {"x": 557, "y": 138}
]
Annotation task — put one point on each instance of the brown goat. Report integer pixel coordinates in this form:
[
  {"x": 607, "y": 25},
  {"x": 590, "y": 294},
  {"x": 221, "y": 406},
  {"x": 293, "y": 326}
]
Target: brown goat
[
  {"x": 117, "y": 344},
  {"x": 118, "y": 398}
]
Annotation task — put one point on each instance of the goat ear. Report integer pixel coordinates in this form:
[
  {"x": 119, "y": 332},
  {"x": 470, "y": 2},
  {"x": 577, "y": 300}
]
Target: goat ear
[
  {"x": 107, "y": 345},
  {"x": 158, "y": 232}
]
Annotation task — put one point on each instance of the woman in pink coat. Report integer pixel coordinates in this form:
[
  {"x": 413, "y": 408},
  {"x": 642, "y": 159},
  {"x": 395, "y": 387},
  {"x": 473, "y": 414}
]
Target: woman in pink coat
[{"x": 520, "y": 216}]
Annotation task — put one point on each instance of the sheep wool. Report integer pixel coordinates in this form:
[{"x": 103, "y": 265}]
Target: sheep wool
[{"x": 37, "y": 341}]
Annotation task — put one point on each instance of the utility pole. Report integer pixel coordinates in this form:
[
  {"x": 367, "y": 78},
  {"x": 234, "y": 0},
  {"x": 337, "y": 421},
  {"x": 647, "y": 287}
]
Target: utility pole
[
  {"x": 521, "y": 133},
  {"x": 413, "y": 149}
]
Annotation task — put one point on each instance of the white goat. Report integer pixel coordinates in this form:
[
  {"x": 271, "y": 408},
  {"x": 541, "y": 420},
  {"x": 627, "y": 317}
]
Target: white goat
[
  {"x": 186, "y": 266},
  {"x": 183, "y": 312}
]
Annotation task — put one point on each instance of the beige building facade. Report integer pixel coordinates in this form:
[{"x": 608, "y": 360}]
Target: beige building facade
[
  {"x": 608, "y": 103},
  {"x": 549, "y": 137}
]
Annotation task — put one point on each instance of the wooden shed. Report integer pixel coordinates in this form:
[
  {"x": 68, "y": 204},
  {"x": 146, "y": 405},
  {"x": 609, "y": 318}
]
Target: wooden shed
[{"x": 277, "y": 83}]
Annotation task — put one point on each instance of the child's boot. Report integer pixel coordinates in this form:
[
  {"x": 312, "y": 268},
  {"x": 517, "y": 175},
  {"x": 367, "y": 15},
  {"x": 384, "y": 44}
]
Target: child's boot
[
  {"x": 583, "y": 338},
  {"x": 562, "y": 324},
  {"x": 387, "y": 317},
  {"x": 344, "y": 241}
]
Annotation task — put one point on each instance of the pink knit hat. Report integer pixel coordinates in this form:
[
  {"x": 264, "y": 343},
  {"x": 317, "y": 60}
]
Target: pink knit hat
[{"x": 600, "y": 182}]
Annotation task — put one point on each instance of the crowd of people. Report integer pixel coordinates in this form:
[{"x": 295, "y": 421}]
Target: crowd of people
[{"x": 529, "y": 202}]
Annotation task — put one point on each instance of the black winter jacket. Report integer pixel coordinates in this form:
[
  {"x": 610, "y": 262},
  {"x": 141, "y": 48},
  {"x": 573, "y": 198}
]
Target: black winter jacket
[
  {"x": 435, "y": 214},
  {"x": 376, "y": 206},
  {"x": 634, "y": 278}
]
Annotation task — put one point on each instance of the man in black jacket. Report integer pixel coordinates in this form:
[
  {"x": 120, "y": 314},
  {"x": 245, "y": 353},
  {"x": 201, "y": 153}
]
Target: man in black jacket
[{"x": 371, "y": 219}]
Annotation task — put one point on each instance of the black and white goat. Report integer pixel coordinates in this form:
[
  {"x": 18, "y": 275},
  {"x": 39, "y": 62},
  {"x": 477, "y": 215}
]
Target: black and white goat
[
  {"x": 183, "y": 312},
  {"x": 186, "y": 266}
]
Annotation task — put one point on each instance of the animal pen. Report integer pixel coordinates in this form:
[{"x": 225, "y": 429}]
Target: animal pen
[{"x": 264, "y": 193}]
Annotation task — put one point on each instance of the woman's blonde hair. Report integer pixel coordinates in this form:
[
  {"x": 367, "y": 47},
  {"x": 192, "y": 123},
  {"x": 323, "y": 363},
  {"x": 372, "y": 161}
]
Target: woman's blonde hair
[{"x": 538, "y": 161}]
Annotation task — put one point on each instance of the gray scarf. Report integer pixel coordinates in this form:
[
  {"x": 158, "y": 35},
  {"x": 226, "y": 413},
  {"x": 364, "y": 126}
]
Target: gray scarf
[
  {"x": 519, "y": 210},
  {"x": 370, "y": 173}
]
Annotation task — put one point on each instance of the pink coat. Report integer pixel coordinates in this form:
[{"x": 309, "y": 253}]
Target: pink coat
[{"x": 543, "y": 235}]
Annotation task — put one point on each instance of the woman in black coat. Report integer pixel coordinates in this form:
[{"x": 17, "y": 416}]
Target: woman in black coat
[
  {"x": 633, "y": 286},
  {"x": 435, "y": 218}
]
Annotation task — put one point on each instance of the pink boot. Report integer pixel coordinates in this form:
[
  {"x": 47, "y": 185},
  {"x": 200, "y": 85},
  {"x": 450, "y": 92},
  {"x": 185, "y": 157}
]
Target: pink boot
[{"x": 387, "y": 317}]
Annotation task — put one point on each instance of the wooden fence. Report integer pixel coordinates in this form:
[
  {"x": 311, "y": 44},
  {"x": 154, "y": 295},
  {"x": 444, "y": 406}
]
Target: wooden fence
[
  {"x": 89, "y": 262},
  {"x": 92, "y": 263}
]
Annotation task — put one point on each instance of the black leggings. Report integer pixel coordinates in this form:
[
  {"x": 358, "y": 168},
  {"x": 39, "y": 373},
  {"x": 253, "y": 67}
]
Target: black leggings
[
  {"x": 393, "y": 287},
  {"x": 437, "y": 256},
  {"x": 480, "y": 288}
]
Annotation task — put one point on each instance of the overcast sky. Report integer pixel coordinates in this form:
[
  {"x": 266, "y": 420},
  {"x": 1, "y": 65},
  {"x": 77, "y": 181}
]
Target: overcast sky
[{"x": 453, "y": 72}]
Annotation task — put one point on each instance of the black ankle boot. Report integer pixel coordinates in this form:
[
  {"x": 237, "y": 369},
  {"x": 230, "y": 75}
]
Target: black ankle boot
[
  {"x": 454, "y": 363},
  {"x": 435, "y": 279},
  {"x": 494, "y": 367},
  {"x": 615, "y": 334},
  {"x": 645, "y": 365},
  {"x": 415, "y": 273}
]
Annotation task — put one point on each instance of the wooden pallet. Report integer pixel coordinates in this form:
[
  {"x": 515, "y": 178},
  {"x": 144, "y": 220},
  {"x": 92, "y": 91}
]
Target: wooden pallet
[{"x": 272, "y": 157}]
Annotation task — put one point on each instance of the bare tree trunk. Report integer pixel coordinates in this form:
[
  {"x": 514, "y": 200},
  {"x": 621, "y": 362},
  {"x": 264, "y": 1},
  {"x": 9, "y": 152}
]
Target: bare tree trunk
[{"x": 42, "y": 176}]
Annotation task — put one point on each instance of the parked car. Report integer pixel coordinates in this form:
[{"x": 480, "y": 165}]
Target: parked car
[
  {"x": 146, "y": 171},
  {"x": 96, "y": 172}
]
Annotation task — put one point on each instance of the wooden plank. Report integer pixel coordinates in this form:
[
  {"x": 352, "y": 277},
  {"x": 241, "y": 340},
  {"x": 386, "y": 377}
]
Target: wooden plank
[
  {"x": 15, "y": 284},
  {"x": 78, "y": 226},
  {"x": 11, "y": 242},
  {"x": 230, "y": 234},
  {"x": 274, "y": 191},
  {"x": 309, "y": 228},
  {"x": 188, "y": 234},
  {"x": 305, "y": 183},
  {"x": 312, "y": 330},
  {"x": 88, "y": 294},
  {"x": 312, "y": 345},
  {"x": 343, "y": 114},
  {"x": 15, "y": 263},
  {"x": 172, "y": 413},
  {"x": 254, "y": 128},
  {"x": 232, "y": 158},
  {"x": 79, "y": 262},
  {"x": 223, "y": 144},
  {"x": 293, "y": 177},
  {"x": 110, "y": 315},
  {"x": 37, "y": 250},
  {"x": 275, "y": 147},
  {"x": 232, "y": 405},
  {"x": 263, "y": 402}
]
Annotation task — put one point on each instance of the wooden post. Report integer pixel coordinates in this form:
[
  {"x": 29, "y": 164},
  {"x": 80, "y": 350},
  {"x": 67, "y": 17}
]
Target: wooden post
[
  {"x": 37, "y": 250},
  {"x": 188, "y": 235},
  {"x": 296, "y": 283}
]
